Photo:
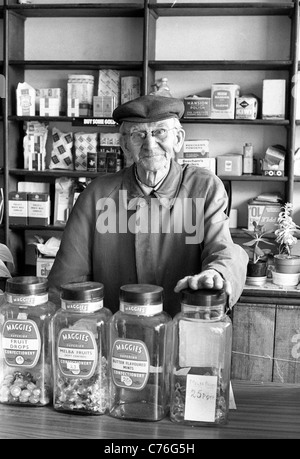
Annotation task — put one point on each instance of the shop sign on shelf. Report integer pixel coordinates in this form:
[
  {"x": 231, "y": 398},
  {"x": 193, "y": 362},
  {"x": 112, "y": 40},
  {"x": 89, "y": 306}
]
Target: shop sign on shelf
[{"x": 93, "y": 122}]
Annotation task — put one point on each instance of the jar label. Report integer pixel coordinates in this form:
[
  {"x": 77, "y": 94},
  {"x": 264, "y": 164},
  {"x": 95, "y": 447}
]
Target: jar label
[
  {"x": 27, "y": 300},
  {"x": 77, "y": 353},
  {"x": 74, "y": 306},
  {"x": 21, "y": 343},
  {"x": 130, "y": 364},
  {"x": 200, "y": 399}
]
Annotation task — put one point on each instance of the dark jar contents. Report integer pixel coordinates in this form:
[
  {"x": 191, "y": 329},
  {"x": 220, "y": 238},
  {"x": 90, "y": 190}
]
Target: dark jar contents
[
  {"x": 80, "y": 350},
  {"x": 201, "y": 359},
  {"x": 25, "y": 350},
  {"x": 139, "y": 341}
]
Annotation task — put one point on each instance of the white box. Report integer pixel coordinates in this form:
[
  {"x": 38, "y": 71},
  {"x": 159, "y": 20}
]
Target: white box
[
  {"x": 273, "y": 104},
  {"x": 223, "y": 100},
  {"x": 196, "y": 148},
  {"x": 43, "y": 266},
  {"x": 246, "y": 107},
  {"x": 206, "y": 163},
  {"x": 109, "y": 84},
  {"x": 25, "y": 100},
  {"x": 230, "y": 164},
  {"x": 73, "y": 107},
  {"x": 49, "y": 106}
]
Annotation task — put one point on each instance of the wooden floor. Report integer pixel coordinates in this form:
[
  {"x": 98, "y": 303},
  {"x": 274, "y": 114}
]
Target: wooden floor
[{"x": 264, "y": 411}]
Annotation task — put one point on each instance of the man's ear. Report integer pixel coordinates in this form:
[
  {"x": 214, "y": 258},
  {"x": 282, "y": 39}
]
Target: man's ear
[
  {"x": 179, "y": 136},
  {"x": 123, "y": 145}
]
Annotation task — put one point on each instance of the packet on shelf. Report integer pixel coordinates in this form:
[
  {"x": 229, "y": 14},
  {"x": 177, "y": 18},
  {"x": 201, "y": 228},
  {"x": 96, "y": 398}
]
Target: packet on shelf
[
  {"x": 85, "y": 143},
  {"x": 34, "y": 146},
  {"x": 25, "y": 100},
  {"x": 61, "y": 155}
]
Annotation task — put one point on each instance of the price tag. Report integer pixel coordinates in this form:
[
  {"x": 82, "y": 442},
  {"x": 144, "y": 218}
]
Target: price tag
[{"x": 201, "y": 397}]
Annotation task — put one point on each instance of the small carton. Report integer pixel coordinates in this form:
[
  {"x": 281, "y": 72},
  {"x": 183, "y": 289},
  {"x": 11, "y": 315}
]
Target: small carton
[
  {"x": 273, "y": 103},
  {"x": 25, "y": 100},
  {"x": 223, "y": 100},
  {"x": 103, "y": 106},
  {"x": 206, "y": 163},
  {"x": 264, "y": 214},
  {"x": 230, "y": 164},
  {"x": 38, "y": 209},
  {"x": 109, "y": 84},
  {"x": 197, "y": 107},
  {"x": 64, "y": 191},
  {"x": 113, "y": 162},
  {"x": 196, "y": 148},
  {"x": 130, "y": 88},
  {"x": 43, "y": 266},
  {"x": 110, "y": 139},
  {"x": 17, "y": 208},
  {"x": 246, "y": 107}
]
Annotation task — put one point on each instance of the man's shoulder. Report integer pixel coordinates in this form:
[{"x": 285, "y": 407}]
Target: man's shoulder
[
  {"x": 199, "y": 174},
  {"x": 108, "y": 182}
]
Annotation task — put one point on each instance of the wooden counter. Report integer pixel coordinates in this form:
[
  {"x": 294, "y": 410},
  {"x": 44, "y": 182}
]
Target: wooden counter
[{"x": 264, "y": 410}]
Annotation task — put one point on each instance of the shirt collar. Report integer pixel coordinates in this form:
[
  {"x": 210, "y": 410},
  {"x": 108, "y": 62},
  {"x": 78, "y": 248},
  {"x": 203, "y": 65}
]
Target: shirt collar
[{"x": 166, "y": 192}]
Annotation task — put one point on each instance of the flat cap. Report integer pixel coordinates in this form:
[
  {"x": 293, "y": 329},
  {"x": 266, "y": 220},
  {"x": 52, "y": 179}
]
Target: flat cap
[{"x": 147, "y": 109}]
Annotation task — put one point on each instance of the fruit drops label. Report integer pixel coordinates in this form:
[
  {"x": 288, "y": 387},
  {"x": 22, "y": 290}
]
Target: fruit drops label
[
  {"x": 77, "y": 353},
  {"x": 21, "y": 343},
  {"x": 130, "y": 364}
]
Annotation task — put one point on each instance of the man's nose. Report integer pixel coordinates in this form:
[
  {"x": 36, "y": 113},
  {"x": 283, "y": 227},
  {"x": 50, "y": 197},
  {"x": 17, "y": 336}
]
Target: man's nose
[{"x": 149, "y": 140}]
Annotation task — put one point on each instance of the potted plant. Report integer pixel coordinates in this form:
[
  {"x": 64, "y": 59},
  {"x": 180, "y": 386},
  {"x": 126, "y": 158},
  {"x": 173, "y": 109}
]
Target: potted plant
[
  {"x": 285, "y": 261},
  {"x": 257, "y": 265},
  {"x": 5, "y": 257}
]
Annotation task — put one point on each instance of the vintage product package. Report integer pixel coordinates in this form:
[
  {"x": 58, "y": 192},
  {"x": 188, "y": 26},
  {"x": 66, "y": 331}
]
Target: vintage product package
[
  {"x": 206, "y": 163},
  {"x": 84, "y": 144},
  {"x": 223, "y": 100},
  {"x": 64, "y": 188},
  {"x": 17, "y": 208},
  {"x": 196, "y": 148},
  {"x": 263, "y": 213},
  {"x": 38, "y": 209},
  {"x": 25, "y": 100},
  {"x": 109, "y": 84},
  {"x": 273, "y": 99},
  {"x": 230, "y": 164},
  {"x": 246, "y": 107},
  {"x": 61, "y": 155},
  {"x": 34, "y": 146},
  {"x": 130, "y": 88},
  {"x": 80, "y": 95},
  {"x": 197, "y": 107}
]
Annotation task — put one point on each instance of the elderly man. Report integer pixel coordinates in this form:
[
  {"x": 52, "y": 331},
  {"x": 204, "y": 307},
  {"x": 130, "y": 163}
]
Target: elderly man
[{"x": 154, "y": 222}]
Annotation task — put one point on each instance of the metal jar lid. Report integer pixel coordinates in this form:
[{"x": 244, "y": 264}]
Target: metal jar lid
[
  {"x": 143, "y": 294},
  {"x": 26, "y": 285},
  {"x": 82, "y": 291},
  {"x": 203, "y": 297}
]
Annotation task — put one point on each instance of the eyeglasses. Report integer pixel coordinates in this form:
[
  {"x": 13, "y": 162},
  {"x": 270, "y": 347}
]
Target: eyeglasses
[{"x": 138, "y": 137}]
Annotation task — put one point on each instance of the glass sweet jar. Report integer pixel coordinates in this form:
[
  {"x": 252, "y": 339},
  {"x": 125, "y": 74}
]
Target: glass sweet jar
[
  {"x": 139, "y": 345},
  {"x": 80, "y": 350},
  {"x": 201, "y": 359},
  {"x": 25, "y": 350}
]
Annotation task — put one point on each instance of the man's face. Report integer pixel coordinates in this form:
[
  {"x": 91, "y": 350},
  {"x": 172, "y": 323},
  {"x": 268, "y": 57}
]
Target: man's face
[{"x": 152, "y": 145}]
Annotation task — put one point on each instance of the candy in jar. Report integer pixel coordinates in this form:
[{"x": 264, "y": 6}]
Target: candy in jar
[
  {"x": 80, "y": 350},
  {"x": 25, "y": 351},
  {"x": 139, "y": 340},
  {"x": 201, "y": 359}
]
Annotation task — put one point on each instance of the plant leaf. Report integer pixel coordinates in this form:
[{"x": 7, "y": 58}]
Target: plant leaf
[
  {"x": 5, "y": 254},
  {"x": 3, "y": 270}
]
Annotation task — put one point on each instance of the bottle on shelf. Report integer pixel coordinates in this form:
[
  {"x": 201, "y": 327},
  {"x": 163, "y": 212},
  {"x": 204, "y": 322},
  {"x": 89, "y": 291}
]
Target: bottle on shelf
[{"x": 248, "y": 158}]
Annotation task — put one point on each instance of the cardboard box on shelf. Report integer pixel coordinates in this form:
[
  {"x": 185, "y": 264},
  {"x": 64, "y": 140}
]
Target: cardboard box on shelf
[
  {"x": 197, "y": 107},
  {"x": 196, "y": 148},
  {"x": 38, "y": 209},
  {"x": 273, "y": 103},
  {"x": 223, "y": 100},
  {"x": 25, "y": 100},
  {"x": 246, "y": 107},
  {"x": 17, "y": 208},
  {"x": 43, "y": 266},
  {"x": 230, "y": 164},
  {"x": 263, "y": 213},
  {"x": 206, "y": 163}
]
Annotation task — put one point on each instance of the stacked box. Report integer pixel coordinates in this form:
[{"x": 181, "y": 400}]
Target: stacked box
[
  {"x": 109, "y": 84},
  {"x": 206, "y": 163},
  {"x": 50, "y": 101},
  {"x": 38, "y": 209},
  {"x": 103, "y": 106},
  {"x": 130, "y": 88},
  {"x": 196, "y": 148},
  {"x": 80, "y": 95},
  {"x": 43, "y": 266},
  {"x": 17, "y": 208}
]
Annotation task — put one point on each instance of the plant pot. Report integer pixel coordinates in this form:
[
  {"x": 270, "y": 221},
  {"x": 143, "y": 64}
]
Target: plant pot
[
  {"x": 256, "y": 273},
  {"x": 285, "y": 280},
  {"x": 287, "y": 265},
  {"x": 258, "y": 269}
]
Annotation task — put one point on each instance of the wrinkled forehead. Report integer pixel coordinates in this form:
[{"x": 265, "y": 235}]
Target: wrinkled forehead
[{"x": 131, "y": 126}]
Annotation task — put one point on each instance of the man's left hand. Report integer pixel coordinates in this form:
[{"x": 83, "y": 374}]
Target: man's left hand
[{"x": 207, "y": 279}]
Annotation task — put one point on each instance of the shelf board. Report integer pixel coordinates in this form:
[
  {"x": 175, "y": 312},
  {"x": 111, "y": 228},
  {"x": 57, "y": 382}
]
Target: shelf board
[
  {"x": 257, "y": 122},
  {"x": 223, "y": 9},
  {"x": 37, "y": 228},
  {"x": 221, "y": 65},
  {"x": 78, "y": 10},
  {"x": 77, "y": 65},
  {"x": 54, "y": 173},
  {"x": 82, "y": 121},
  {"x": 68, "y": 173}
]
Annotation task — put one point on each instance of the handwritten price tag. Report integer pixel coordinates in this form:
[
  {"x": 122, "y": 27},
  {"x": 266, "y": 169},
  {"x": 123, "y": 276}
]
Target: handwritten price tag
[{"x": 201, "y": 397}]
